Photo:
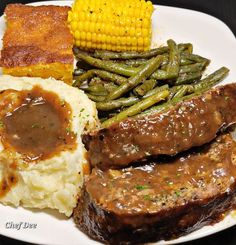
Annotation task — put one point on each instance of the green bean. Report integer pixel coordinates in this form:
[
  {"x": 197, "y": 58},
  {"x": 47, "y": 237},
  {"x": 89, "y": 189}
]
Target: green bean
[
  {"x": 108, "y": 65},
  {"x": 178, "y": 91},
  {"x": 160, "y": 75},
  {"x": 188, "y": 77},
  {"x": 135, "y": 62},
  {"x": 155, "y": 90},
  {"x": 146, "y": 86},
  {"x": 192, "y": 68},
  {"x": 122, "y": 69},
  {"x": 183, "y": 62},
  {"x": 173, "y": 91},
  {"x": 172, "y": 68},
  {"x": 183, "y": 47},
  {"x": 108, "y": 76},
  {"x": 83, "y": 65},
  {"x": 103, "y": 54},
  {"x": 182, "y": 91},
  {"x": 96, "y": 98},
  {"x": 114, "y": 104},
  {"x": 95, "y": 80},
  {"x": 137, "y": 108},
  {"x": 135, "y": 80},
  {"x": 139, "y": 62},
  {"x": 97, "y": 89},
  {"x": 129, "y": 54},
  {"x": 102, "y": 119},
  {"x": 212, "y": 79},
  {"x": 110, "y": 87},
  {"x": 199, "y": 88},
  {"x": 196, "y": 58},
  {"x": 80, "y": 79},
  {"x": 167, "y": 105}
]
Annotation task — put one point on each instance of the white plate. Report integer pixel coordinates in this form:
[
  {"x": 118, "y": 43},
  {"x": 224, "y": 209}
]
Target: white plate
[{"x": 211, "y": 38}]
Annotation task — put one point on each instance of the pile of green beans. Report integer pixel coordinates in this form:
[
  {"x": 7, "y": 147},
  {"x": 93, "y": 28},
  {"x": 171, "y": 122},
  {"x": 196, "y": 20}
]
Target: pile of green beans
[{"x": 126, "y": 84}]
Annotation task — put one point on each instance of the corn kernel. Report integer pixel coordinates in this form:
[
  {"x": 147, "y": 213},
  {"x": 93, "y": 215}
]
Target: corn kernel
[
  {"x": 80, "y": 26},
  {"x": 83, "y": 44},
  {"x": 113, "y": 40},
  {"x": 89, "y": 36},
  {"x": 86, "y": 25},
  {"x": 94, "y": 37},
  {"x": 70, "y": 16},
  {"x": 128, "y": 40},
  {"x": 83, "y": 35},
  {"x": 103, "y": 38},
  {"x": 99, "y": 38},
  {"x": 146, "y": 41},
  {"x": 77, "y": 35},
  {"x": 140, "y": 42},
  {"x": 98, "y": 28},
  {"x": 89, "y": 44},
  {"x": 138, "y": 32},
  {"x": 111, "y": 24},
  {"x": 82, "y": 16},
  {"x": 140, "y": 48},
  {"x": 132, "y": 31},
  {"x": 75, "y": 15},
  {"x": 92, "y": 27},
  {"x": 146, "y": 23},
  {"x": 145, "y": 32},
  {"x": 93, "y": 18},
  {"x": 118, "y": 48},
  {"x": 73, "y": 26},
  {"x": 78, "y": 43},
  {"x": 99, "y": 46}
]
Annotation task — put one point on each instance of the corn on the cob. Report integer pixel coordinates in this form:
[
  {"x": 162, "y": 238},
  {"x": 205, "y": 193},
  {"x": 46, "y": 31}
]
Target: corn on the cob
[{"x": 122, "y": 25}]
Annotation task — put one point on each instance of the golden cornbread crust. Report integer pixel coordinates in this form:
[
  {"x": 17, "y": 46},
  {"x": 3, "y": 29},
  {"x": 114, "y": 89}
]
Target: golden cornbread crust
[{"x": 36, "y": 36}]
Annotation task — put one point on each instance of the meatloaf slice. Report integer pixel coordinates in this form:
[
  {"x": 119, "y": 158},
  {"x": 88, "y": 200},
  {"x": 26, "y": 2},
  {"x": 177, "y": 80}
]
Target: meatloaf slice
[
  {"x": 191, "y": 123},
  {"x": 160, "y": 201}
]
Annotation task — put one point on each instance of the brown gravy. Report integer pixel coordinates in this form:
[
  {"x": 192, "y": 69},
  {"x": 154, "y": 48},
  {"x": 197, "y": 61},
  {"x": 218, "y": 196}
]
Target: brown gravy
[
  {"x": 199, "y": 175},
  {"x": 36, "y": 123}
]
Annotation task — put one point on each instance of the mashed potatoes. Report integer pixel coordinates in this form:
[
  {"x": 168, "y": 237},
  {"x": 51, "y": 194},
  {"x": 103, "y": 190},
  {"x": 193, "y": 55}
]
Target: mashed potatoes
[{"x": 35, "y": 174}]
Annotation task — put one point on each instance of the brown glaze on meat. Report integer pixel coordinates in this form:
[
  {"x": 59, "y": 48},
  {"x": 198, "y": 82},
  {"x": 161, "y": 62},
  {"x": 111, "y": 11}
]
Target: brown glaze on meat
[
  {"x": 35, "y": 123},
  {"x": 191, "y": 123},
  {"x": 160, "y": 200}
]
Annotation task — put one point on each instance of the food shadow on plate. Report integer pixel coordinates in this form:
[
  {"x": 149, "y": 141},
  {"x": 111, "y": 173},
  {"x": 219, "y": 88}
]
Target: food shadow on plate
[{"x": 48, "y": 211}]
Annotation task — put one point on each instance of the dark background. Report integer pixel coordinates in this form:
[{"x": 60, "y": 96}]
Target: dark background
[{"x": 222, "y": 9}]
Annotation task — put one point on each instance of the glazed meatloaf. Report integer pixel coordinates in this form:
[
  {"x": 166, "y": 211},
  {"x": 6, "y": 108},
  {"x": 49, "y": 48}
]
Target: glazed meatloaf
[
  {"x": 160, "y": 200},
  {"x": 191, "y": 123},
  {"x": 37, "y": 42}
]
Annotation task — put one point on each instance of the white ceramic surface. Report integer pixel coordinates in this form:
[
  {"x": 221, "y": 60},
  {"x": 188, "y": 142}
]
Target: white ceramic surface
[{"x": 211, "y": 38}]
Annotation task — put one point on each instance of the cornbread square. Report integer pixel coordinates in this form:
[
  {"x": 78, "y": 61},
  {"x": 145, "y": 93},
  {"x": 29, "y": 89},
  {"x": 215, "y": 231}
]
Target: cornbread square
[{"x": 37, "y": 42}]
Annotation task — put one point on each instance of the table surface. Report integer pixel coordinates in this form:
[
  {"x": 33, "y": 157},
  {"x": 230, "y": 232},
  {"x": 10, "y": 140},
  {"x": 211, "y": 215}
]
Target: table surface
[{"x": 224, "y": 10}]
